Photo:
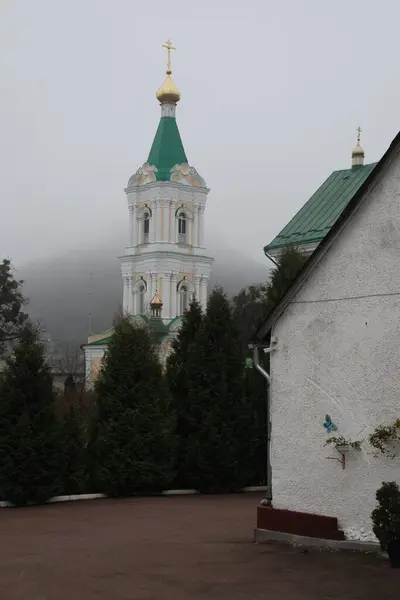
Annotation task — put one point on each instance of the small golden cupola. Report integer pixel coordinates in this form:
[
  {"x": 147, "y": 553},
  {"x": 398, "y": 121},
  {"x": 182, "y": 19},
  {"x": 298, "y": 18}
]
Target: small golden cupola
[
  {"x": 357, "y": 155},
  {"x": 156, "y": 305},
  {"x": 168, "y": 93}
]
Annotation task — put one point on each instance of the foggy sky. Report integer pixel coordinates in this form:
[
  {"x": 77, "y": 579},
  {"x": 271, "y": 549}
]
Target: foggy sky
[{"x": 272, "y": 93}]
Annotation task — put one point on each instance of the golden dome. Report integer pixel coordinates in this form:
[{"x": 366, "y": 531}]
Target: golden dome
[
  {"x": 357, "y": 151},
  {"x": 156, "y": 301},
  {"x": 168, "y": 92}
]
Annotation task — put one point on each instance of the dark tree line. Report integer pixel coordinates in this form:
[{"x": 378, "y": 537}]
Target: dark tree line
[{"x": 199, "y": 424}]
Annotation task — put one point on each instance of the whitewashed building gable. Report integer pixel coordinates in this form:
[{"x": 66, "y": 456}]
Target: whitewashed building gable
[{"x": 338, "y": 353}]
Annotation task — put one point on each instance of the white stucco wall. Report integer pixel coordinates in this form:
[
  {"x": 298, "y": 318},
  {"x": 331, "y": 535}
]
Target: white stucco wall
[
  {"x": 93, "y": 357},
  {"x": 338, "y": 352}
]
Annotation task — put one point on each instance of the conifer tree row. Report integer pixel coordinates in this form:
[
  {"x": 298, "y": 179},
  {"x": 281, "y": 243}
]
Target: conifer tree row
[{"x": 199, "y": 425}]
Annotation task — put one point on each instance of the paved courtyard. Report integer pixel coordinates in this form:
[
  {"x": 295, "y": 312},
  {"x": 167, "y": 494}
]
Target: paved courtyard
[{"x": 171, "y": 548}]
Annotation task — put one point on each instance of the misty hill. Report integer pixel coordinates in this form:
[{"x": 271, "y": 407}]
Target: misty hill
[{"x": 62, "y": 293}]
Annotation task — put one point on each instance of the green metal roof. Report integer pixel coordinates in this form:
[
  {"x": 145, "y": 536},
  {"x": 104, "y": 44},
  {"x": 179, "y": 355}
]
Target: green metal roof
[
  {"x": 102, "y": 342},
  {"x": 157, "y": 326},
  {"x": 167, "y": 149},
  {"x": 318, "y": 215}
]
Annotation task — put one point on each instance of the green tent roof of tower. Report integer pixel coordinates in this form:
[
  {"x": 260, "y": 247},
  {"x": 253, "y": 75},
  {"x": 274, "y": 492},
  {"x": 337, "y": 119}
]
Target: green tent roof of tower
[
  {"x": 318, "y": 215},
  {"x": 167, "y": 149}
]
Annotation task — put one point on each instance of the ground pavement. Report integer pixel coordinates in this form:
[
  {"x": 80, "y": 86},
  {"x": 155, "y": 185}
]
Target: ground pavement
[{"x": 171, "y": 548}]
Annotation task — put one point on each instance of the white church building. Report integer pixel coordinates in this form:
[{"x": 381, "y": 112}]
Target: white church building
[
  {"x": 165, "y": 259},
  {"x": 334, "y": 372}
]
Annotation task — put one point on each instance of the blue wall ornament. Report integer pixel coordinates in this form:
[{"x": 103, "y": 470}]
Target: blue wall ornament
[{"x": 329, "y": 425}]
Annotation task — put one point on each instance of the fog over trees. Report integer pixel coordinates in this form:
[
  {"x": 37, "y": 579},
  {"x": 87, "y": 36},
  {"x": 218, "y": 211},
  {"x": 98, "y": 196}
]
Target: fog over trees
[{"x": 63, "y": 290}]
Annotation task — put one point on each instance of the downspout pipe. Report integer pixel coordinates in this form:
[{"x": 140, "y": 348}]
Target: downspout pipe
[
  {"x": 267, "y": 501},
  {"x": 256, "y": 361},
  {"x": 276, "y": 264}
]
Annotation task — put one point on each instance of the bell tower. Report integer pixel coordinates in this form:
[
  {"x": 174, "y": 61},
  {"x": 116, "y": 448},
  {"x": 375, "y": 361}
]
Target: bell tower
[{"x": 166, "y": 203}]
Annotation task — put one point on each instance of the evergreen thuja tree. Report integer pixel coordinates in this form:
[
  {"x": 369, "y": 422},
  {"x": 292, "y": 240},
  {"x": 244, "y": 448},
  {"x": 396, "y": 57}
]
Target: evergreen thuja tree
[
  {"x": 253, "y": 303},
  {"x": 223, "y": 426},
  {"x": 255, "y": 388},
  {"x": 289, "y": 263},
  {"x": 178, "y": 383},
  {"x": 249, "y": 311},
  {"x": 134, "y": 440},
  {"x": 74, "y": 454},
  {"x": 74, "y": 440},
  {"x": 29, "y": 429},
  {"x": 12, "y": 317},
  {"x": 251, "y": 307}
]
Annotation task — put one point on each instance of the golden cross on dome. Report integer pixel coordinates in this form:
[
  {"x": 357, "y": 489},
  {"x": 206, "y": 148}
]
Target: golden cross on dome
[
  {"x": 168, "y": 45},
  {"x": 359, "y": 130}
]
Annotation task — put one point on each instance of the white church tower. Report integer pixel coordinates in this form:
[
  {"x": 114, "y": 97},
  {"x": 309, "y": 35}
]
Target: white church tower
[
  {"x": 165, "y": 256},
  {"x": 166, "y": 201}
]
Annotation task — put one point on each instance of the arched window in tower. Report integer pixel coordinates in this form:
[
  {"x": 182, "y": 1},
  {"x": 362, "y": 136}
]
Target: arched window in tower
[
  {"x": 140, "y": 297},
  {"x": 183, "y": 299},
  {"x": 182, "y": 228},
  {"x": 146, "y": 227}
]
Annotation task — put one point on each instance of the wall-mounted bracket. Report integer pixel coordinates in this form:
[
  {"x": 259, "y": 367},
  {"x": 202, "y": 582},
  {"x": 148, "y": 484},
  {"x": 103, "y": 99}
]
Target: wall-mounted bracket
[{"x": 342, "y": 460}]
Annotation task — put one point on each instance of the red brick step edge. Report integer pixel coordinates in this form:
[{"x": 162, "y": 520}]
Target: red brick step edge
[{"x": 298, "y": 523}]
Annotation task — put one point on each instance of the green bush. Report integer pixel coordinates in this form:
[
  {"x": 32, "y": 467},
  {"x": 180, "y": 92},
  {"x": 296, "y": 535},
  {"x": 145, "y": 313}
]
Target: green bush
[{"x": 386, "y": 516}]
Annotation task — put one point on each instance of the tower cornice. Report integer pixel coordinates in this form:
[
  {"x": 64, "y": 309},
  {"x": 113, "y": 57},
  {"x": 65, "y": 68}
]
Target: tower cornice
[{"x": 166, "y": 184}]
